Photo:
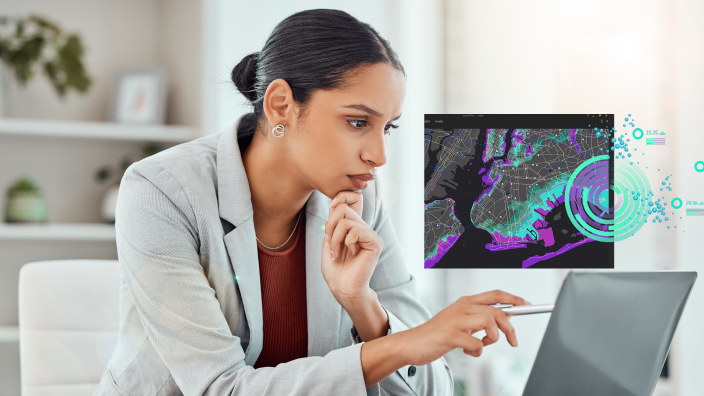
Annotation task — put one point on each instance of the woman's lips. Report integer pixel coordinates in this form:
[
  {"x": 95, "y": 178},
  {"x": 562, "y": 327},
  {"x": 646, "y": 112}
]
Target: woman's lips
[{"x": 361, "y": 181}]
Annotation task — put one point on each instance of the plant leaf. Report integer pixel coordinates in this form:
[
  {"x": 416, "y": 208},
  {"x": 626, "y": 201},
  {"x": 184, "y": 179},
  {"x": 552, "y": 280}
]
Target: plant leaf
[
  {"x": 27, "y": 50},
  {"x": 52, "y": 72},
  {"x": 45, "y": 24},
  {"x": 70, "y": 59},
  {"x": 22, "y": 185},
  {"x": 22, "y": 59}
]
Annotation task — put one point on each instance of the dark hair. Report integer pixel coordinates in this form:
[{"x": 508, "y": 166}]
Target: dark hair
[{"x": 313, "y": 49}]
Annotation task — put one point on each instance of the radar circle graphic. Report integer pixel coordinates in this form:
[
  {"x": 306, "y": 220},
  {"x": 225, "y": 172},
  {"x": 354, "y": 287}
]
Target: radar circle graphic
[{"x": 588, "y": 199}]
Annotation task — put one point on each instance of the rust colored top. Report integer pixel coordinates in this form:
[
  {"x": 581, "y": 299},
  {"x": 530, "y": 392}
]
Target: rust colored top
[{"x": 283, "y": 281}]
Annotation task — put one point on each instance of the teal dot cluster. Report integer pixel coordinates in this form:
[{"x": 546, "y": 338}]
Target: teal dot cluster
[{"x": 658, "y": 206}]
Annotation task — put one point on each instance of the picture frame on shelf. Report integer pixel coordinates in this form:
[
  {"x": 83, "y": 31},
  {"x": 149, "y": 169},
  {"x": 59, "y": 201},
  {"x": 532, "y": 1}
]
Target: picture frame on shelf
[{"x": 139, "y": 97}]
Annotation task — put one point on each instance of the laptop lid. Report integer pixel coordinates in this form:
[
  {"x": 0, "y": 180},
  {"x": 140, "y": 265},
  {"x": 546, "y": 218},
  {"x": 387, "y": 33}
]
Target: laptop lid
[{"x": 609, "y": 333}]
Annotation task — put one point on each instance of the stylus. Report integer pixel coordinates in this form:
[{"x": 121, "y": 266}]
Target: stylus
[{"x": 528, "y": 309}]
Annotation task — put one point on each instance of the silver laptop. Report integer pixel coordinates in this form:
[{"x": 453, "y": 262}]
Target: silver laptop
[{"x": 609, "y": 333}]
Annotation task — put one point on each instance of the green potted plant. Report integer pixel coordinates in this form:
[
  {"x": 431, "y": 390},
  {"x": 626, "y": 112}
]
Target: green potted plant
[
  {"x": 32, "y": 43},
  {"x": 25, "y": 203}
]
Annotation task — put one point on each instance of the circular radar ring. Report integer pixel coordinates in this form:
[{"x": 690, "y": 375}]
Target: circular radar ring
[{"x": 588, "y": 203}]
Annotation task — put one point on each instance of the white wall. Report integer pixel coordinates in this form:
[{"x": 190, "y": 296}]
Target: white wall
[
  {"x": 620, "y": 57},
  {"x": 689, "y": 101},
  {"x": 179, "y": 49},
  {"x": 418, "y": 38}
]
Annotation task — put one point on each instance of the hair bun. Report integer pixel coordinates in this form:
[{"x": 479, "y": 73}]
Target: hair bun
[{"x": 244, "y": 75}]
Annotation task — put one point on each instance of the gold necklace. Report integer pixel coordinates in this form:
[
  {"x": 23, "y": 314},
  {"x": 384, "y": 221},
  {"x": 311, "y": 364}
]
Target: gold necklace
[{"x": 289, "y": 237}]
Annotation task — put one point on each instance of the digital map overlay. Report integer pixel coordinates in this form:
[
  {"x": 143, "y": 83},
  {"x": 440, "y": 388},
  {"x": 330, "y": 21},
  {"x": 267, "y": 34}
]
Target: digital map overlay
[{"x": 495, "y": 197}]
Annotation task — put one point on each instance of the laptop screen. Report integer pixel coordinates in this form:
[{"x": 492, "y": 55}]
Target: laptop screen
[{"x": 609, "y": 333}]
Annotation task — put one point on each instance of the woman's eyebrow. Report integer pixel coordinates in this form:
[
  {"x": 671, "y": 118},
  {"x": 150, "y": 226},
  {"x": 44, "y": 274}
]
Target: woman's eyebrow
[{"x": 368, "y": 110}]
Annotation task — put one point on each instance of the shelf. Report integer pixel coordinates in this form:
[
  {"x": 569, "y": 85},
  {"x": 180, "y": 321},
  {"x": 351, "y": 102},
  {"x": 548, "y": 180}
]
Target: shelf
[
  {"x": 96, "y": 130},
  {"x": 57, "y": 232},
  {"x": 9, "y": 334}
]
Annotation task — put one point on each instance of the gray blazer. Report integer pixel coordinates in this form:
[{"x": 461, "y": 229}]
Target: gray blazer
[{"x": 190, "y": 297}]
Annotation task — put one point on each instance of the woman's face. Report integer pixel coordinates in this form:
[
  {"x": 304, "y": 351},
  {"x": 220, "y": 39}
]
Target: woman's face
[{"x": 341, "y": 138}]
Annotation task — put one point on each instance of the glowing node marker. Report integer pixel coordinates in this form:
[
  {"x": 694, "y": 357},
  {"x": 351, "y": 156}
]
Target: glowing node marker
[
  {"x": 699, "y": 166},
  {"x": 676, "y": 200}
]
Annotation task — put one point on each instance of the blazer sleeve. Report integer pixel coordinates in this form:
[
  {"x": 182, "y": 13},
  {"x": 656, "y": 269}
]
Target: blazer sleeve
[
  {"x": 396, "y": 291},
  {"x": 158, "y": 245}
]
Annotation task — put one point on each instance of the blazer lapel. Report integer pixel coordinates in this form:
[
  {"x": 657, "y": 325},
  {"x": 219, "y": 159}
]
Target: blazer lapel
[
  {"x": 235, "y": 207},
  {"x": 323, "y": 310},
  {"x": 245, "y": 263}
]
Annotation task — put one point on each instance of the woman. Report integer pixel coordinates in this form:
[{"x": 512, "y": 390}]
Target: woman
[{"x": 261, "y": 261}]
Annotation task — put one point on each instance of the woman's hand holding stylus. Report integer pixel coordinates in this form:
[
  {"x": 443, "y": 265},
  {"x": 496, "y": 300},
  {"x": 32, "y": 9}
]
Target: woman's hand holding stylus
[
  {"x": 453, "y": 327},
  {"x": 450, "y": 329}
]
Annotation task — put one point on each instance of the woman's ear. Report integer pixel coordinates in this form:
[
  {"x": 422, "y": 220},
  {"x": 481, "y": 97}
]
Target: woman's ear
[{"x": 278, "y": 103}]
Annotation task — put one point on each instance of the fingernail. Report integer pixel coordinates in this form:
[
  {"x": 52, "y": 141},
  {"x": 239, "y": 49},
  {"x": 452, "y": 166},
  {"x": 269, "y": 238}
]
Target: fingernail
[
  {"x": 327, "y": 239},
  {"x": 515, "y": 342},
  {"x": 332, "y": 254},
  {"x": 528, "y": 302},
  {"x": 331, "y": 203}
]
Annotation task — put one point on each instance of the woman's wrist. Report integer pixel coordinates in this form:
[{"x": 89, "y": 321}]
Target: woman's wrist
[
  {"x": 381, "y": 357},
  {"x": 368, "y": 316}
]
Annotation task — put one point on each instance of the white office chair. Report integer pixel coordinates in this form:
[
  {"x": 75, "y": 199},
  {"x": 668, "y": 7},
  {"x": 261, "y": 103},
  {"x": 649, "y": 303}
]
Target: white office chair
[{"x": 68, "y": 314}]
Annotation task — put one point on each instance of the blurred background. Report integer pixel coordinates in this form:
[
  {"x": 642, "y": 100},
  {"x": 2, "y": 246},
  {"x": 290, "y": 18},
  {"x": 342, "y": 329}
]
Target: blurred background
[{"x": 137, "y": 76}]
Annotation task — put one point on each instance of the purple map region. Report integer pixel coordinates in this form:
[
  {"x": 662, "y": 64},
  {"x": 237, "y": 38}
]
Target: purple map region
[
  {"x": 527, "y": 263},
  {"x": 441, "y": 222},
  {"x": 443, "y": 246},
  {"x": 573, "y": 136}
]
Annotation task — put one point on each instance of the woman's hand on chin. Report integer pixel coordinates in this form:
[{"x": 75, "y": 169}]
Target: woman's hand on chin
[{"x": 350, "y": 251}]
